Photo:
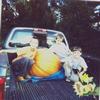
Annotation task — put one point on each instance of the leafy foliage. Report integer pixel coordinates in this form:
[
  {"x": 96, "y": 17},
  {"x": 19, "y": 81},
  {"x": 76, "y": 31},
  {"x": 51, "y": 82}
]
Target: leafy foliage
[{"x": 76, "y": 20}]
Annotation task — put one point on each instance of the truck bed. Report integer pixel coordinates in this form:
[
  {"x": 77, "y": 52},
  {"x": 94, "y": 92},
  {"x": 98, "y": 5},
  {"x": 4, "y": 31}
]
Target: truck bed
[{"x": 43, "y": 90}]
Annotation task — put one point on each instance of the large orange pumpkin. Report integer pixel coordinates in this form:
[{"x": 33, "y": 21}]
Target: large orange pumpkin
[{"x": 46, "y": 63}]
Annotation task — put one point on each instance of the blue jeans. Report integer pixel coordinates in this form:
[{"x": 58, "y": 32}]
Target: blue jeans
[{"x": 21, "y": 66}]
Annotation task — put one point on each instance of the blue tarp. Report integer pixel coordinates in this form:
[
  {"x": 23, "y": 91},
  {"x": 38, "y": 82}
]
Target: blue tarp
[{"x": 57, "y": 75}]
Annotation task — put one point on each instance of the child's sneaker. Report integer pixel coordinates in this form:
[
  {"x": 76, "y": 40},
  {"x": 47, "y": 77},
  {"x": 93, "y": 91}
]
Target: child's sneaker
[
  {"x": 20, "y": 78},
  {"x": 67, "y": 80}
]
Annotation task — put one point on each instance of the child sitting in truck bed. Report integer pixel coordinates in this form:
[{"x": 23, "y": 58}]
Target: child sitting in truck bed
[
  {"x": 75, "y": 65},
  {"x": 59, "y": 48},
  {"x": 24, "y": 58}
]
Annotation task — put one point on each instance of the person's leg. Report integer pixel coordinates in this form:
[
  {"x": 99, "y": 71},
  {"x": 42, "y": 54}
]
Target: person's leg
[
  {"x": 74, "y": 77},
  {"x": 67, "y": 71},
  {"x": 21, "y": 66},
  {"x": 27, "y": 64}
]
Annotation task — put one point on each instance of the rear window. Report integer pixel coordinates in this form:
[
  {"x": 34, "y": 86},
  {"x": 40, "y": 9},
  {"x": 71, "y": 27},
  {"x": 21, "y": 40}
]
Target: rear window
[
  {"x": 51, "y": 38},
  {"x": 21, "y": 36}
]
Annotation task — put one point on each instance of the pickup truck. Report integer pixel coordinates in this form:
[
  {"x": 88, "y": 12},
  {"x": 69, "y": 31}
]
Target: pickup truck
[{"x": 57, "y": 89}]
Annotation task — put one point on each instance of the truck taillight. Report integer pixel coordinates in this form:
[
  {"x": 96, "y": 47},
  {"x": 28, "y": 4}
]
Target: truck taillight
[
  {"x": 2, "y": 80},
  {"x": 2, "y": 85}
]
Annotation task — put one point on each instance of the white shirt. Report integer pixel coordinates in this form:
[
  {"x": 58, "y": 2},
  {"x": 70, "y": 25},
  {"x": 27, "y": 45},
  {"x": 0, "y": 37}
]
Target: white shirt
[
  {"x": 76, "y": 63},
  {"x": 61, "y": 50}
]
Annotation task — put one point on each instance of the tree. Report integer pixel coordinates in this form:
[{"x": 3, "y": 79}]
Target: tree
[
  {"x": 33, "y": 13},
  {"x": 41, "y": 14},
  {"x": 76, "y": 21}
]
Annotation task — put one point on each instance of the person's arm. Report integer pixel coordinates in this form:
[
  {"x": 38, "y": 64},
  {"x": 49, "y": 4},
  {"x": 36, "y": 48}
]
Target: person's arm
[
  {"x": 84, "y": 67},
  {"x": 83, "y": 71},
  {"x": 68, "y": 51},
  {"x": 8, "y": 51},
  {"x": 19, "y": 51},
  {"x": 53, "y": 48}
]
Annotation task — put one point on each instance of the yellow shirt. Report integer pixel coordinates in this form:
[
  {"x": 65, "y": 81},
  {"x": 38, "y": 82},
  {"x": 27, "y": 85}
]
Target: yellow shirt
[{"x": 26, "y": 52}]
